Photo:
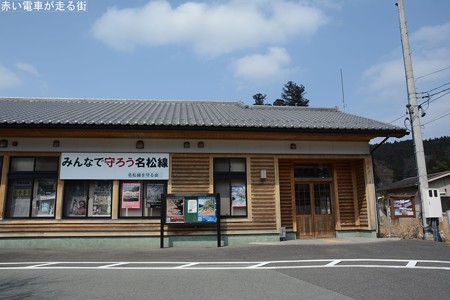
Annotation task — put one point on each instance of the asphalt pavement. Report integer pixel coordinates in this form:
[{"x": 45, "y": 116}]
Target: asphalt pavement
[
  {"x": 349, "y": 248},
  {"x": 353, "y": 268}
]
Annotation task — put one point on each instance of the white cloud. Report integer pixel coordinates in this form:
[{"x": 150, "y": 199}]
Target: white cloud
[
  {"x": 385, "y": 83},
  {"x": 430, "y": 52},
  {"x": 258, "y": 67},
  {"x": 27, "y": 68},
  {"x": 209, "y": 28},
  {"x": 8, "y": 79},
  {"x": 432, "y": 34}
]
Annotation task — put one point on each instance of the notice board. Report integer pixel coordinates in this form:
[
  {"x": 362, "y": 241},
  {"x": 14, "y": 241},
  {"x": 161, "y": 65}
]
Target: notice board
[
  {"x": 402, "y": 206},
  {"x": 191, "y": 209}
]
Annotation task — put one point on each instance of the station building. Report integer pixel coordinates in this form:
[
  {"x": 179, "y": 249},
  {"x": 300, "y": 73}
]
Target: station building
[{"x": 90, "y": 172}]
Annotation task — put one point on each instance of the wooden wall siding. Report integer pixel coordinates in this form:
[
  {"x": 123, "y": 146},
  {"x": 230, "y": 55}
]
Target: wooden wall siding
[
  {"x": 344, "y": 182},
  {"x": 190, "y": 175},
  {"x": 361, "y": 191},
  {"x": 263, "y": 190},
  {"x": 286, "y": 193},
  {"x": 77, "y": 228},
  {"x": 351, "y": 190}
]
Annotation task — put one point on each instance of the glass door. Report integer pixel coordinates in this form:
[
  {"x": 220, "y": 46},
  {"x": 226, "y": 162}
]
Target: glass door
[{"x": 314, "y": 210}]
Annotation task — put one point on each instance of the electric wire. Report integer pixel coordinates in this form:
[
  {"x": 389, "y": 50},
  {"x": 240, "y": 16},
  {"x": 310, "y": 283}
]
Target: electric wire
[
  {"x": 417, "y": 78},
  {"x": 438, "y": 117},
  {"x": 437, "y": 93},
  {"x": 435, "y": 88},
  {"x": 426, "y": 101}
]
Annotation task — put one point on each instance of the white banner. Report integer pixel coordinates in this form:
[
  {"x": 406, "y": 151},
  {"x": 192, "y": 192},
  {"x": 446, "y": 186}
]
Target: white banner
[{"x": 131, "y": 166}]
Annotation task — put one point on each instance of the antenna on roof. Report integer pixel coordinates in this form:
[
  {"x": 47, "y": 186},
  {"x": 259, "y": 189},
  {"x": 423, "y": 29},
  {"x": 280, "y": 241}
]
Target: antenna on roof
[{"x": 343, "y": 96}]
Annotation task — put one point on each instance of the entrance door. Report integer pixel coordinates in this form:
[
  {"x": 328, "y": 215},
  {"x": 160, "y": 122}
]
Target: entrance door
[{"x": 313, "y": 210}]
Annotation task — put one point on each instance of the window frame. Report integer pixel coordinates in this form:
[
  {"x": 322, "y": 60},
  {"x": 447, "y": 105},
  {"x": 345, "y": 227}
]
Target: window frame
[
  {"x": 87, "y": 199},
  {"x": 142, "y": 197},
  {"x": 34, "y": 177},
  {"x": 229, "y": 176}
]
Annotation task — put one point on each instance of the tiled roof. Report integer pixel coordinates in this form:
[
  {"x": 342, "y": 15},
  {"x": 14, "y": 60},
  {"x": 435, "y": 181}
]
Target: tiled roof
[
  {"x": 412, "y": 181},
  {"x": 23, "y": 112}
]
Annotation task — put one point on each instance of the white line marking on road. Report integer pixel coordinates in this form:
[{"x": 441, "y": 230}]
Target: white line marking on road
[
  {"x": 333, "y": 263},
  {"x": 186, "y": 266},
  {"x": 411, "y": 264},
  {"x": 263, "y": 265},
  {"x": 112, "y": 265},
  {"x": 258, "y": 265},
  {"x": 40, "y": 265}
]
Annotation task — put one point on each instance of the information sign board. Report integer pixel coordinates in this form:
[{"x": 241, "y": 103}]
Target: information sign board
[
  {"x": 191, "y": 209},
  {"x": 402, "y": 206}
]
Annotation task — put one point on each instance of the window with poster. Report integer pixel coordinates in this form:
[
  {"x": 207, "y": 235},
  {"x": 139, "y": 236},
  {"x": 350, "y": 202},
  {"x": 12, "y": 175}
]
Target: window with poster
[
  {"x": 32, "y": 185},
  {"x": 87, "y": 198},
  {"x": 230, "y": 182},
  {"x": 140, "y": 199}
]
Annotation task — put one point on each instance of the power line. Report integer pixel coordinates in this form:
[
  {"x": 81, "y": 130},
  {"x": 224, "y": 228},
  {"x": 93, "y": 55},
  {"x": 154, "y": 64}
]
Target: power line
[
  {"x": 431, "y": 101},
  {"x": 397, "y": 119},
  {"x": 437, "y": 93},
  {"x": 438, "y": 117},
  {"x": 417, "y": 78},
  {"x": 427, "y": 101}
]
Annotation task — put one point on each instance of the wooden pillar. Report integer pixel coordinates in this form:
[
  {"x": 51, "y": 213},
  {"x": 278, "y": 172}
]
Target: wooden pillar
[
  {"x": 115, "y": 200},
  {"x": 277, "y": 194},
  {"x": 4, "y": 184},
  {"x": 249, "y": 188},
  {"x": 370, "y": 193},
  {"x": 337, "y": 213},
  {"x": 59, "y": 199}
]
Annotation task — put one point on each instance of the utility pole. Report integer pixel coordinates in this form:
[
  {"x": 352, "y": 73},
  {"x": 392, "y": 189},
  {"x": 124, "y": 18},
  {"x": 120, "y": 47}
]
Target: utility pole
[{"x": 413, "y": 110}]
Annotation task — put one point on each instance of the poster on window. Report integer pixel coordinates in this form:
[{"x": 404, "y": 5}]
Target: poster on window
[
  {"x": 403, "y": 207},
  {"x": 102, "y": 200},
  {"x": 175, "y": 210},
  {"x": 131, "y": 195},
  {"x": 77, "y": 206},
  {"x": 21, "y": 198},
  {"x": 153, "y": 196},
  {"x": 44, "y": 201},
  {"x": 238, "y": 196}
]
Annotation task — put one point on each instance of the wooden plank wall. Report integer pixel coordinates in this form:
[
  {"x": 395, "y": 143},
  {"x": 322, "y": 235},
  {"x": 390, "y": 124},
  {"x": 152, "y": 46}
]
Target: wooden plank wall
[
  {"x": 263, "y": 191},
  {"x": 41, "y": 228},
  {"x": 351, "y": 194},
  {"x": 344, "y": 182},
  {"x": 190, "y": 174}
]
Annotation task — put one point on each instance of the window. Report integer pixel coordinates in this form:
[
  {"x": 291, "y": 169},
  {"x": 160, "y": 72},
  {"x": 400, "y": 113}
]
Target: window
[
  {"x": 87, "y": 198},
  {"x": 141, "y": 198},
  {"x": 314, "y": 171},
  {"x": 32, "y": 187},
  {"x": 230, "y": 183},
  {"x": 302, "y": 199},
  {"x": 445, "y": 201}
]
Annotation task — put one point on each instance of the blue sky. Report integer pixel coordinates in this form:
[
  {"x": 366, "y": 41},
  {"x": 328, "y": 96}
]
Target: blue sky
[{"x": 232, "y": 49}]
